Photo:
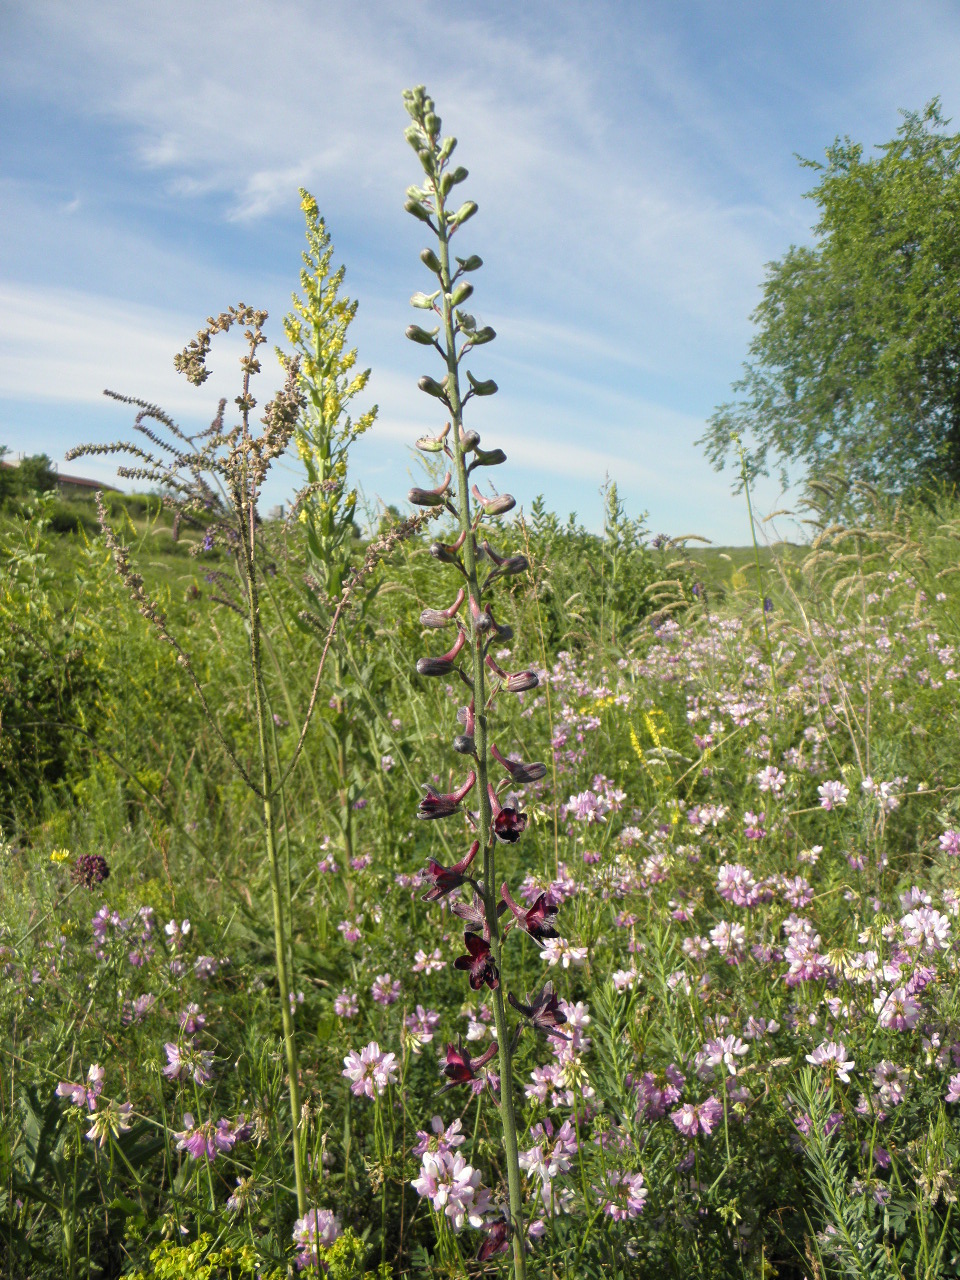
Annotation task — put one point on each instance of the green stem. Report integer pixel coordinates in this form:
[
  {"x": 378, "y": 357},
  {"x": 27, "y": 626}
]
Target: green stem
[
  {"x": 508, "y": 1117},
  {"x": 266, "y": 794}
]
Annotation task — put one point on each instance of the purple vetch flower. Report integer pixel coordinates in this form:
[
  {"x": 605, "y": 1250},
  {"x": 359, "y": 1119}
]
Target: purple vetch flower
[
  {"x": 553, "y": 1152},
  {"x": 833, "y": 1055},
  {"x": 84, "y": 1095},
  {"x": 544, "y": 1011},
  {"x": 623, "y": 1194},
  {"x": 137, "y": 1009},
  {"x": 317, "y": 1227},
  {"x": 833, "y": 795},
  {"x": 441, "y": 805},
  {"x": 370, "y": 1070},
  {"x": 656, "y": 1091},
  {"x": 478, "y": 963},
  {"x": 443, "y": 880},
  {"x": 208, "y": 1140},
  {"x": 559, "y": 951},
  {"x": 691, "y": 1119},
  {"x": 896, "y": 1010},
  {"x": 953, "y": 1089},
  {"x": 176, "y": 932},
  {"x": 346, "y": 1005},
  {"x": 440, "y": 1139},
  {"x": 420, "y": 1026},
  {"x": 109, "y": 1121},
  {"x": 385, "y": 990},
  {"x": 432, "y": 963},
  {"x": 453, "y": 1188},
  {"x": 192, "y": 1020},
  {"x": 185, "y": 1061},
  {"x": 950, "y": 843}
]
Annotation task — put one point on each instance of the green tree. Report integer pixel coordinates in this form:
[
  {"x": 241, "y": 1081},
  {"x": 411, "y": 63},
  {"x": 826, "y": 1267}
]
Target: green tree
[{"x": 855, "y": 363}]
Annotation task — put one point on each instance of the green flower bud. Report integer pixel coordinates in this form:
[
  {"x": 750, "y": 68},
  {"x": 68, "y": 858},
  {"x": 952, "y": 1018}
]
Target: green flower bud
[
  {"x": 432, "y": 388},
  {"x": 486, "y": 388},
  {"x": 465, "y": 211},
  {"x": 416, "y": 334},
  {"x": 461, "y": 293},
  {"x": 418, "y": 211},
  {"x": 473, "y": 263},
  {"x": 480, "y": 336},
  {"x": 431, "y": 123},
  {"x": 466, "y": 321},
  {"x": 433, "y": 444},
  {"x": 424, "y": 301},
  {"x": 447, "y": 147},
  {"x": 487, "y": 458},
  {"x": 430, "y": 259}
]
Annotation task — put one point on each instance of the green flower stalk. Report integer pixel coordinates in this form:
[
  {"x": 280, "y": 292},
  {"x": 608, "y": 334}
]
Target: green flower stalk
[{"x": 454, "y": 334}]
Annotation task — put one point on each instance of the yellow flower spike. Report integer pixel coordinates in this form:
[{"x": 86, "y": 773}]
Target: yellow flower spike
[{"x": 59, "y": 856}]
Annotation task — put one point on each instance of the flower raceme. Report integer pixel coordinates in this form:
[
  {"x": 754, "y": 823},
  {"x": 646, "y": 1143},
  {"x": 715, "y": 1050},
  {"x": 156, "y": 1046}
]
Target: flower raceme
[{"x": 452, "y": 1186}]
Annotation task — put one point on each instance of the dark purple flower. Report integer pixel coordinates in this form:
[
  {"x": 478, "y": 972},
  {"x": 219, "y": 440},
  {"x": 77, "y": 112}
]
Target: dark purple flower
[
  {"x": 444, "y": 880},
  {"x": 443, "y": 665},
  {"x": 460, "y": 1068},
  {"x": 431, "y": 497},
  {"x": 544, "y": 1012},
  {"x": 89, "y": 869},
  {"x": 497, "y": 1240},
  {"x": 478, "y": 963},
  {"x": 473, "y": 913},
  {"x": 441, "y": 805},
  {"x": 440, "y": 617},
  {"x": 521, "y": 773},
  {"x": 537, "y": 920},
  {"x": 508, "y": 824},
  {"x": 519, "y": 682}
]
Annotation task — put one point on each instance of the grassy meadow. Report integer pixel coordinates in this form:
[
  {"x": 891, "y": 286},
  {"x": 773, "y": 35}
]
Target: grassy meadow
[{"x": 746, "y": 835}]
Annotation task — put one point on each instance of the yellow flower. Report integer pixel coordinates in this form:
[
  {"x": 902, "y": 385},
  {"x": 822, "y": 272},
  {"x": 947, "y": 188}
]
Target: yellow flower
[{"x": 59, "y": 856}]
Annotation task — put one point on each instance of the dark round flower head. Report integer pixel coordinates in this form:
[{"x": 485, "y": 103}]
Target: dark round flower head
[{"x": 89, "y": 869}]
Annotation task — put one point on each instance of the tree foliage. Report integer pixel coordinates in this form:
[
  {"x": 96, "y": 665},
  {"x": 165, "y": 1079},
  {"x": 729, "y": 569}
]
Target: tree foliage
[{"x": 855, "y": 363}]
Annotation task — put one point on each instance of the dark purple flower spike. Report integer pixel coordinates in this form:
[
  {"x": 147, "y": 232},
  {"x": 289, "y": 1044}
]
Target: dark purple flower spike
[
  {"x": 444, "y": 880},
  {"x": 544, "y": 1013},
  {"x": 537, "y": 920},
  {"x": 478, "y": 963},
  {"x": 436, "y": 804}
]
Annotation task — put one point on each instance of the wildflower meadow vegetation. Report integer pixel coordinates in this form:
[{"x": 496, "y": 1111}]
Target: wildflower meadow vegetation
[{"x": 458, "y": 892}]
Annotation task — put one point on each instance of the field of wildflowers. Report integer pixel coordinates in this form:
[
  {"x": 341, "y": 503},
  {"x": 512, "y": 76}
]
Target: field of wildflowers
[{"x": 617, "y": 940}]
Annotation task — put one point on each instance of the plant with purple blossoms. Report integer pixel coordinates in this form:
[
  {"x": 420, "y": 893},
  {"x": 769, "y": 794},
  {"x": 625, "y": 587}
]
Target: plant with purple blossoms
[{"x": 479, "y": 565}]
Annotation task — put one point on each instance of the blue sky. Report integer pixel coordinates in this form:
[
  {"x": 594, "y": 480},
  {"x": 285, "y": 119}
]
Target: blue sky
[{"x": 633, "y": 162}]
